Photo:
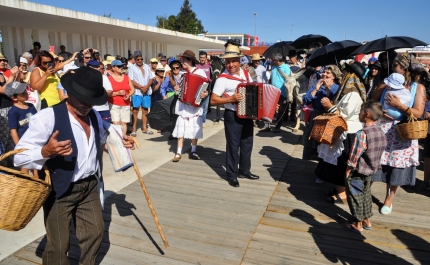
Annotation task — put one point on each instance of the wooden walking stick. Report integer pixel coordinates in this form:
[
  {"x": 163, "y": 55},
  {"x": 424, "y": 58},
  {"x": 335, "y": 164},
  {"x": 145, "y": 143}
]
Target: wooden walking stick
[{"x": 148, "y": 199}]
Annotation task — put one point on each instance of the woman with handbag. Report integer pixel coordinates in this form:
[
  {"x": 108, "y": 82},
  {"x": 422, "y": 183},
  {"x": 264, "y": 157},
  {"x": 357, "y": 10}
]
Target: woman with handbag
[
  {"x": 326, "y": 87},
  {"x": 347, "y": 102},
  {"x": 400, "y": 158}
]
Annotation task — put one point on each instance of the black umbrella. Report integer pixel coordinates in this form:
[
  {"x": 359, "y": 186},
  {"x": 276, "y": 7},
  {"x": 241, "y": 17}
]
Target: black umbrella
[
  {"x": 306, "y": 40},
  {"x": 282, "y": 47},
  {"x": 332, "y": 53},
  {"x": 161, "y": 116},
  {"x": 388, "y": 43}
]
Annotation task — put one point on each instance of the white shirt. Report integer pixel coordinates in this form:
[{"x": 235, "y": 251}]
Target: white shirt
[
  {"x": 349, "y": 107},
  {"x": 38, "y": 134},
  {"x": 260, "y": 71},
  {"x": 108, "y": 86},
  {"x": 187, "y": 110},
  {"x": 228, "y": 86},
  {"x": 135, "y": 74}
]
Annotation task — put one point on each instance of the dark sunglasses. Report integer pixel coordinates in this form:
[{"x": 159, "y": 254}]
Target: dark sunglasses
[
  {"x": 118, "y": 66},
  {"x": 3, "y": 60},
  {"x": 154, "y": 62},
  {"x": 46, "y": 62},
  {"x": 139, "y": 59},
  {"x": 176, "y": 68},
  {"x": 60, "y": 61},
  {"x": 87, "y": 57}
]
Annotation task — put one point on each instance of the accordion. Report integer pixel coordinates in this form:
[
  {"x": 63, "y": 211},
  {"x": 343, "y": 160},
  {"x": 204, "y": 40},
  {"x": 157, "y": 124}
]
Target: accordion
[
  {"x": 259, "y": 101},
  {"x": 192, "y": 86}
]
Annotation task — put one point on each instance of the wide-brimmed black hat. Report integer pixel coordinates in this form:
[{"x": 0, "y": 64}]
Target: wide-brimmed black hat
[
  {"x": 376, "y": 64},
  {"x": 358, "y": 68},
  {"x": 86, "y": 85}
]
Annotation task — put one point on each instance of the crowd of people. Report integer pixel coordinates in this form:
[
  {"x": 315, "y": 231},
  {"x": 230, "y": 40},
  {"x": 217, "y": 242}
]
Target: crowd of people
[{"x": 57, "y": 106}]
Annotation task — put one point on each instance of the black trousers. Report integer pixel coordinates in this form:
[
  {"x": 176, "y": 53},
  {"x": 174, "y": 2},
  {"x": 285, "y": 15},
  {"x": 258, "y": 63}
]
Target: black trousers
[
  {"x": 281, "y": 111},
  {"x": 239, "y": 134}
]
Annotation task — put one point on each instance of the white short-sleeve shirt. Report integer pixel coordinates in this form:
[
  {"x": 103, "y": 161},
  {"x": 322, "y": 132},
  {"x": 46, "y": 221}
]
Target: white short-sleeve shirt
[{"x": 228, "y": 86}]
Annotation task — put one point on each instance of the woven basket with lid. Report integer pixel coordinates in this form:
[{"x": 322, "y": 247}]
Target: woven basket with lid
[{"x": 328, "y": 128}]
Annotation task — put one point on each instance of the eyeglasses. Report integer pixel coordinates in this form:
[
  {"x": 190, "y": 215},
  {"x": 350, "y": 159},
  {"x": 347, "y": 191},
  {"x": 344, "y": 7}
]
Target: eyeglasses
[
  {"x": 87, "y": 57},
  {"x": 139, "y": 59},
  {"x": 60, "y": 61},
  {"x": 176, "y": 68},
  {"x": 3, "y": 60}
]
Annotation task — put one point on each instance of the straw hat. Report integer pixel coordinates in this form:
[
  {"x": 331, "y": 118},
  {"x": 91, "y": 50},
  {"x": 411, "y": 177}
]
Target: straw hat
[
  {"x": 232, "y": 50},
  {"x": 110, "y": 59},
  {"x": 2, "y": 56},
  {"x": 159, "y": 68},
  {"x": 255, "y": 57}
]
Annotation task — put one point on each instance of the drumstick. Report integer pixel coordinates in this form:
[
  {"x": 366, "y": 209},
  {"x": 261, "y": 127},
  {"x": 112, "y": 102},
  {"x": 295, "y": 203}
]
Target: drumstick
[{"x": 148, "y": 199}]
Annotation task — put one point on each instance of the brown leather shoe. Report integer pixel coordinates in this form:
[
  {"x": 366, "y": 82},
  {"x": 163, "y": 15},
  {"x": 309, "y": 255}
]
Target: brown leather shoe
[{"x": 177, "y": 157}]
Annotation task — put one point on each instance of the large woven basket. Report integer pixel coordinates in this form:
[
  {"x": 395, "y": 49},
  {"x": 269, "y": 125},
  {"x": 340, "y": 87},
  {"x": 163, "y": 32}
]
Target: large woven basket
[
  {"x": 328, "y": 128},
  {"x": 413, "y": 129},
  {"x": 21, "y": 196}
]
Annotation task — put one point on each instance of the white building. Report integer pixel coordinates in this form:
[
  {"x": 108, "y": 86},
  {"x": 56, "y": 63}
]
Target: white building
[{"x": 23, "y": 22}]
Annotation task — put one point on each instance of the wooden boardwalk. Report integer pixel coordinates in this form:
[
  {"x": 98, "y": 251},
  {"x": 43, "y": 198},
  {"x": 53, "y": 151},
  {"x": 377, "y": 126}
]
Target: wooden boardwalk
[{"x": 280, "y": 219}]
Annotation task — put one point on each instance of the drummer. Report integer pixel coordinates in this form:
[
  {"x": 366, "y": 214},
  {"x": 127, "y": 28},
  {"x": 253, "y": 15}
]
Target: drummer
[
  {"x": 189, "y": 124},
  {"x": 239, "y": 132}
]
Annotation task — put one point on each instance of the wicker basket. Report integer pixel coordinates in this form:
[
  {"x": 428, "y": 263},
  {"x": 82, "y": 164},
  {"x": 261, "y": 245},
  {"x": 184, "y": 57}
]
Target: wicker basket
[
  {"x": 21, "y": 196},
  {"x": 328, "y": 128},
  {"x": 413, "y": 129}
]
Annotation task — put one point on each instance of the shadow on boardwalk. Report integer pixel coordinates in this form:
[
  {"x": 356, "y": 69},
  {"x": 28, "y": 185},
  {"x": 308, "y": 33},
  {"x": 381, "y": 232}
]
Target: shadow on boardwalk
[
  {"x": 123, "y": 208},
  {"x": 326, "y": 237}
]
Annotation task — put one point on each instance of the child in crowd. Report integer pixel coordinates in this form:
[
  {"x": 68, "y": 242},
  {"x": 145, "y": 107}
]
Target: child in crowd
[
  {"x": 20, "y": 113},
  {"x": 395, "y": 87},
  {"x": 363, "y": 162}
]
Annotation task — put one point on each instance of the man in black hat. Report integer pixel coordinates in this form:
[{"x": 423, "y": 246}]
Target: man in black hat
[{"x": 67, "y": 138}]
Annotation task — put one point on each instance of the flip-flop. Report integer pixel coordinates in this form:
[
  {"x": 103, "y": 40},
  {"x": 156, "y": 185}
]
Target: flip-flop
[
  {"x": 352, "y": 229},
  {"x": 367, "y": 227},
  {"x": 148, "y": 132},
  {"x": 133, "y": 134}
]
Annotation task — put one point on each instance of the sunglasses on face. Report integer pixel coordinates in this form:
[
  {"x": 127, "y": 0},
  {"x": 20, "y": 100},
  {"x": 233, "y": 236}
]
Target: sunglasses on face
[
  {"x": 5, "y": 61},
  {"x": 60, "y": 61},
  {"x": 45, "y": 63},
  {"x": 87, "y": 57},
  {"x": 139, "y": 59},
  {"x": 119, "y": 66},
  {"x": 176, "y": 68}
]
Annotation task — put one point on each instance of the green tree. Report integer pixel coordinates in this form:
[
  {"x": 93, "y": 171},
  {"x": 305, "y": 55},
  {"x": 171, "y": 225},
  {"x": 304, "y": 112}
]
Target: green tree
[{"x": 185, "y": 21}]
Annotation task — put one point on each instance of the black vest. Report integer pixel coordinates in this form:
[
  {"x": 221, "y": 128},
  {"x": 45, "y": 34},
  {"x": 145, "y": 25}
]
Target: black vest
[{"x": 61, "y": 167}]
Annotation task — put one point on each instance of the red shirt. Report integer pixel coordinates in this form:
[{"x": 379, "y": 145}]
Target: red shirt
[
  {"x": 117, "y": 86},
  {"x": 6, "y": 72}
]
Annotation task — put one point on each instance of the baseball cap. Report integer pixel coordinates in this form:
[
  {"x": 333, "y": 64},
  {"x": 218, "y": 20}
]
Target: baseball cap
[
  {"x": 373, "y": 59},
  {"x": 70, "y": 66},
  {"x": 160, "y": 54},
  {"x": 94, "y": 63},
  {"x": 117, "y": 63},
  {"x": 153, "y": 60},
  {"x": 14, "y": 88},
  {"x": 163, "y": 58}
]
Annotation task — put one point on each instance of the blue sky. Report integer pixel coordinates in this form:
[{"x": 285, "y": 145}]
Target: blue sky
[{"x": 279, "y": 20}]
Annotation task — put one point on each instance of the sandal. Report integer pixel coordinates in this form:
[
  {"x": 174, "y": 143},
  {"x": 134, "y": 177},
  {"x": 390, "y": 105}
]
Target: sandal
[
  {"x": 133, "y": 134},
  {"x": 148, "y": 132},
  {"x": 331, "y": 192},
  {"x": 177, "y": 157},
  {"x": 338, "y": 200},
  {"x": 350, "y": 227}
]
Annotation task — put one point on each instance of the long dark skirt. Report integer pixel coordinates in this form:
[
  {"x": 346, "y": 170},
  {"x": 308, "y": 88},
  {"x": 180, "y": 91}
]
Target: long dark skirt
[
  {"x": 396, "y": 176},
  {"x": 336, "y": 173},
  {"x": 310, "y": 145}
]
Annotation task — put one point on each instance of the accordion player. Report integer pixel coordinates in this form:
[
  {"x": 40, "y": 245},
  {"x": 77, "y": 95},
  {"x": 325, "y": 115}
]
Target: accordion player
[
  {"x": 192, "y": 86},
  {"x": 259, "y": 101}
]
